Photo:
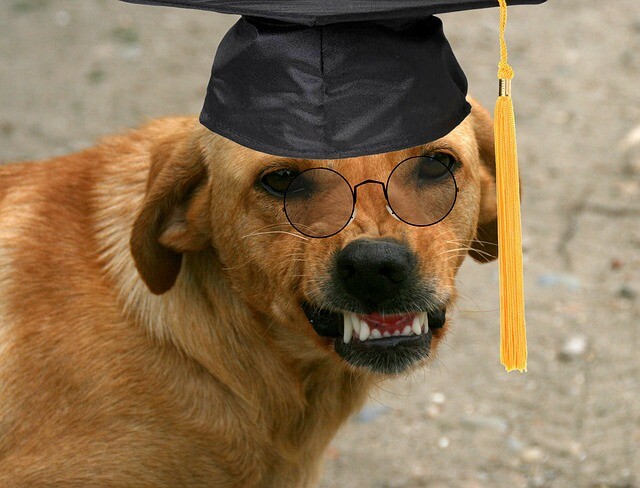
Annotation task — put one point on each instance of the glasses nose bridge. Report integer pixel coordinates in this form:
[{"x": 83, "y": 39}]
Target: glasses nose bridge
[{"x": 367, "y": 182}]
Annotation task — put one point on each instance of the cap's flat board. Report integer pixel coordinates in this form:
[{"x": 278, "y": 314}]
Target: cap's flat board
[{"x": 314, "y": 12}]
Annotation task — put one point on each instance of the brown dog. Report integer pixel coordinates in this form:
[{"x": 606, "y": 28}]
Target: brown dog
[{"x": 221, "y": 359}]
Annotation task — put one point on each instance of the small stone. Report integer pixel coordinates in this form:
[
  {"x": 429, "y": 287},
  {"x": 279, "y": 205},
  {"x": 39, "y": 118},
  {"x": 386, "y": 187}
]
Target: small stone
[
  {"x": 575, "y": 448},
  {"x": 627, "y": 293},
  {"x": 433, "y": 411},
  {"x": 497, "y": 424},
  {"x": 438, "y": 398},
  {"x": 532, "y": 455},
  {"x": 630, "y": 150},
  {"x": 574, "y": 348},
  {"x": 627, "y": 189},
  {"x": 631, "y": 139},
  {"x": 443, "y": 442}
]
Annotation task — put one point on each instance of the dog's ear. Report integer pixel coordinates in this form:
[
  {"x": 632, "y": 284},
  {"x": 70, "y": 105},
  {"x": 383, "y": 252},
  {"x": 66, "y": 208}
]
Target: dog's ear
[
  {"x": 485, "y": 245},
  {"x": 174, "y": 218}
]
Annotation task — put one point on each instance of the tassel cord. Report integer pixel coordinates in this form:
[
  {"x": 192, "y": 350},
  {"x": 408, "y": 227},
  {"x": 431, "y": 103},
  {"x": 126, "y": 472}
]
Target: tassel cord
[{"x": 513, "y": 346}]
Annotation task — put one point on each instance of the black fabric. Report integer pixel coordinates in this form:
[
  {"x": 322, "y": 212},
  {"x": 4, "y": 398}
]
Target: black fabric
[
  {"x": 318, "y": 12},
  {"x": 328, "y": 79},
  {"x": 334, "y": 91}
]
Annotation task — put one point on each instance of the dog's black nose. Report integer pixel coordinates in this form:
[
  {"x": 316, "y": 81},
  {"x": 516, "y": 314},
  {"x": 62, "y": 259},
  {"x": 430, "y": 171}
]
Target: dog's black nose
[{"x": 375, "y": 270}]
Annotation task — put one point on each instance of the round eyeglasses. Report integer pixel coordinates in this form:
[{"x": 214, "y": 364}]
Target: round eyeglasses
[{"x": 420, "y": 191}]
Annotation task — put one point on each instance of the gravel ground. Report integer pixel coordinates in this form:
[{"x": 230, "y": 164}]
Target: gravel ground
[{"x": 75, "y": 70}]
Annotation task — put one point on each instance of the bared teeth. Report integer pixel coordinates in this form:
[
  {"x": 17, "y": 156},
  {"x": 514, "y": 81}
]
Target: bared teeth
[
  {"x": 353, "y": 325},
  {"x": 416, "y": 327},
  {"x": 364, "y": 330},
  {"x": 348, "y": 328},
  {"x": 424, "y": 320},
  {"x": 355, "y": 322}
]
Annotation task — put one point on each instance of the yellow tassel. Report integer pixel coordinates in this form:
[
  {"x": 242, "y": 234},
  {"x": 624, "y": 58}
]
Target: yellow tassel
[{"x": 513, "y": 340}]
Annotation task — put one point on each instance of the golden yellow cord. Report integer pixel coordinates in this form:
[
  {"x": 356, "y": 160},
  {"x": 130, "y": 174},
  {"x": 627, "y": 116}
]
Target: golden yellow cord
[{"x": 513, "y": 340}]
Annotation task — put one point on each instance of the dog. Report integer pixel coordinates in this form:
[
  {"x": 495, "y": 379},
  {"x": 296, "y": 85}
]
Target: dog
[{"x": 163, "y": 324}]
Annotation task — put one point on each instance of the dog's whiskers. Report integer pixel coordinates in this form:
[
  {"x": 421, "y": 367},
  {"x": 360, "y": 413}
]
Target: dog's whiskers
[
  {"x": 468, "y": 249},
  {"x": 271, "y": 226},
  {"x": 458, "y": 249},
  {"x": 484, "y": 242}
]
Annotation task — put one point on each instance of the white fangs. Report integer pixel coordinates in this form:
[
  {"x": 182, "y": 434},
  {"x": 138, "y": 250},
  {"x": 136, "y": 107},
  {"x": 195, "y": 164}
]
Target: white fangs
[
  {"x": 348, "y": 328},
  {"x": 363, "y": 332},
  {"x": 416, "y": 327},
  {"x": 355, "y": 321}
]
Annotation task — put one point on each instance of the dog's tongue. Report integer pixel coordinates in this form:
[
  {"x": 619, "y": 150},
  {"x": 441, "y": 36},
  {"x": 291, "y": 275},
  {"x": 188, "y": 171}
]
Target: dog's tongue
[{"x": 388, "y": 323}]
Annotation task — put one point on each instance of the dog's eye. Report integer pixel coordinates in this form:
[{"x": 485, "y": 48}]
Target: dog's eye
[
  {"x": 277, "y": 182},
  {"x": 434, "y": 166}
]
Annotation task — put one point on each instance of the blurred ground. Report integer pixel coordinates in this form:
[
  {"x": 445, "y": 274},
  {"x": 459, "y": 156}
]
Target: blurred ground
[{"x": 73, "y": 70}]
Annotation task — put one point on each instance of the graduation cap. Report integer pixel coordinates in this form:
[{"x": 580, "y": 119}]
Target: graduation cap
[{"x": 328, "y": 79}]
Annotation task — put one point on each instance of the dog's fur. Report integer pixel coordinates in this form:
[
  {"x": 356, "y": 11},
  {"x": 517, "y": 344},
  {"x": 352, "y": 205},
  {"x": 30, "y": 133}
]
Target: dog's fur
[{"x": 198, "y": 368}]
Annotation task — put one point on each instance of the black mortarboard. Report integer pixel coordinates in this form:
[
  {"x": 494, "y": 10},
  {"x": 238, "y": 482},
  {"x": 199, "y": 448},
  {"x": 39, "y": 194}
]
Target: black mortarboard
[{"x": 328, "y": 79}]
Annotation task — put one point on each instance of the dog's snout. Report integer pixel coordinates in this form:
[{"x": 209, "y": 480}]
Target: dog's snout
[{"x": 374, "y": 270}]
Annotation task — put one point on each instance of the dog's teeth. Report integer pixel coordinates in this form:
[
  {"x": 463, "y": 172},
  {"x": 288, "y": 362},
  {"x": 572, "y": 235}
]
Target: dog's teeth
[
  {"x": 396, "y": 332},
  {"x": 416, "y": 327},
  {"x": 424, "y": 319},
  {"x": 406, "y": 331},
  {"x": 386, "y": 334},
  {"x": 355, "y": 322},
  {"x": 364, "y": 330},
  {"x": 375, "y": 334},
  {"x": 348, "y": 329}
]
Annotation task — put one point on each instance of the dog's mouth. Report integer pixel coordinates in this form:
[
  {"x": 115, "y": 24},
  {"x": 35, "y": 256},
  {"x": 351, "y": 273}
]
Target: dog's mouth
[{"x": 383, "y": 343}]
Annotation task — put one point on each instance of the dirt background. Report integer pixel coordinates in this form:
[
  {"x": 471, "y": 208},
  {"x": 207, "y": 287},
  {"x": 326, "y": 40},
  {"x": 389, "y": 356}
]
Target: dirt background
[{"x": 71, "y": 71}]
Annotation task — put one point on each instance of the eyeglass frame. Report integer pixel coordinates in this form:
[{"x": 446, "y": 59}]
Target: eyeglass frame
[{"x": 354, "y": 193}]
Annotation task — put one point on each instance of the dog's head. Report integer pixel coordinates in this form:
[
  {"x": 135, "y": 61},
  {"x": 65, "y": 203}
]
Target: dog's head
[{"x": 372, "y": 296}]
